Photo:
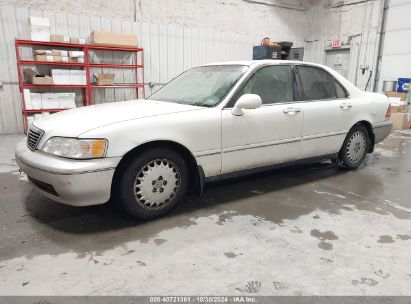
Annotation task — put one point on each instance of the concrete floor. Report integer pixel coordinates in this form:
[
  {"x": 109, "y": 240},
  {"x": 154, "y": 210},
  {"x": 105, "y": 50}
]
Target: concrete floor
[{"x": 308, "y": 230}]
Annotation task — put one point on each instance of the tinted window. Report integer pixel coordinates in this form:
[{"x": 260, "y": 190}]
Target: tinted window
[
  {"x": 340, "y": 91},
  {"x": 316, "y": 83},
  {"x": 273, "y": 84}
]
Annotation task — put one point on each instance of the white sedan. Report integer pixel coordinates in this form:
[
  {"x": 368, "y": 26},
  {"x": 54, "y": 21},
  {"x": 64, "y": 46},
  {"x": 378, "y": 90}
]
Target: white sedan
[{"x": 212, "y": 121}]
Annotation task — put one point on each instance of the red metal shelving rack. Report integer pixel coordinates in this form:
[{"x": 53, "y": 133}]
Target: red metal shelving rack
[{"x": 87, "y": 65}]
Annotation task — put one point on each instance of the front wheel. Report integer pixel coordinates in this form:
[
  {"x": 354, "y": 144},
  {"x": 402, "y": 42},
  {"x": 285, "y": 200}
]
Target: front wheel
[
  {"x": 354, "y": 148},
  {"x": 153, "y": 183}
]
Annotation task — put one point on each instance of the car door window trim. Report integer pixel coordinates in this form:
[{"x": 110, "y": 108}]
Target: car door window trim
[
  {"x": 229, "y": 104},
  {"x": 298, "y": 80}
]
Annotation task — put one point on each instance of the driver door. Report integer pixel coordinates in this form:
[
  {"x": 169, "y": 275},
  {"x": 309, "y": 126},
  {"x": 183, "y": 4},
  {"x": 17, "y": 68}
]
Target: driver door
[{"x": 267, "y": 135}]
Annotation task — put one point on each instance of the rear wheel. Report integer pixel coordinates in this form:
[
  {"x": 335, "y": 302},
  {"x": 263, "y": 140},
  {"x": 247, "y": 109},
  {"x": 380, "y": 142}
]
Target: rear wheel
[
  {"x": 354, "y": 148},
  {"x": 153, "y": 183}
]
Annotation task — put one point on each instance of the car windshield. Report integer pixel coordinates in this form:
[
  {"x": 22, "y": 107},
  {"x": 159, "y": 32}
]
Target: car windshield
[{"x": 202, "y": 86}]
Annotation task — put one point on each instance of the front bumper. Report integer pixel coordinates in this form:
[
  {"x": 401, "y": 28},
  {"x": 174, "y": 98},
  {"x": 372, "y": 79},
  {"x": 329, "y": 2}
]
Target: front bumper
[
  {"x": 381, "y": 130},
  {"x": 68, "y": 181}
]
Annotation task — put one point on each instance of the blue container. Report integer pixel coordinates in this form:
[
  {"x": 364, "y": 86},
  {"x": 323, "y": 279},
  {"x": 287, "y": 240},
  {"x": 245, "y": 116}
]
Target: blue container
[{"x": 403, "y": 85}]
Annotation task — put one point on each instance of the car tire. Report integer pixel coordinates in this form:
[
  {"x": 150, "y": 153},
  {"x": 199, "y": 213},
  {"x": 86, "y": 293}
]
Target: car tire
[
  {"x": 153, "y": 183},
  {"x": 354, "y": 148}
]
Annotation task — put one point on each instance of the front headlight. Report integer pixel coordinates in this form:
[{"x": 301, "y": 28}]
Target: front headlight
[{"x": 76, "y": 148}]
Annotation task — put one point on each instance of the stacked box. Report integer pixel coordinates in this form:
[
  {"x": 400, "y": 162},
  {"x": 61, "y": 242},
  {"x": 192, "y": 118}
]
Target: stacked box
[
  {"x": 39, "y": 28},
  {"x": 76, "y": 56},
  {"x": 78, "y": 77},
  {"x": 76, "y": 40},
  {"x": 60, "y": 76},
  {"x": 59, "y": 38},
  {"x": 37, "y": 101},
  {"x": 400, "y": 121}
]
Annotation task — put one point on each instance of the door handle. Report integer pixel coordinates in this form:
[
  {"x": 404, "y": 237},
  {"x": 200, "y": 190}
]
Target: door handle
[
  {"x": 291, "y": 111},
  {"x": 345, "y": 106}
]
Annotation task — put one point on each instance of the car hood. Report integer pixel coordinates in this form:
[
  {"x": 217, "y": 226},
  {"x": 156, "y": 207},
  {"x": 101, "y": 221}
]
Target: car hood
[{"x": 74, "y": 122}]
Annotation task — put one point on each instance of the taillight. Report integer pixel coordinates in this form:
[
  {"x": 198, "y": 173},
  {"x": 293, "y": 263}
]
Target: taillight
[{"x": 388, "y": 114}]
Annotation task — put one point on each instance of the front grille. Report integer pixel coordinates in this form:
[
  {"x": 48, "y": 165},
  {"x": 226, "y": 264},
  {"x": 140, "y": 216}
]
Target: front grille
[{"x": 33, "y": 137}]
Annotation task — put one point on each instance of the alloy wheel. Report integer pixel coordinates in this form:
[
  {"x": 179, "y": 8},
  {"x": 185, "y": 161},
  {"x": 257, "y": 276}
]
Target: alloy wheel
[
  {"x": 156, "y": 184},
  {"x": 356, "y": 147}
]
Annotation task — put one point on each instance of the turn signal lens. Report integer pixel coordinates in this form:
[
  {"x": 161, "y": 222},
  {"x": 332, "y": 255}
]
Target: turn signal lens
[{"x": 98, "y": 147}]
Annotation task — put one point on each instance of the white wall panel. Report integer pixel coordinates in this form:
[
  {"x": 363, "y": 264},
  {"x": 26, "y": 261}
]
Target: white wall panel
[
  {"x": 396, "y": 56},
  {"x": 314, "y": 51}
]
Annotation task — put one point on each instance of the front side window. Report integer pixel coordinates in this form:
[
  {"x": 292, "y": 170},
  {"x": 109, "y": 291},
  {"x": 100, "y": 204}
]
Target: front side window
[
  {"x": 274, "y": 84},
  {"x": 202, "y": 86},
  {"x": 316, "y": 83}
]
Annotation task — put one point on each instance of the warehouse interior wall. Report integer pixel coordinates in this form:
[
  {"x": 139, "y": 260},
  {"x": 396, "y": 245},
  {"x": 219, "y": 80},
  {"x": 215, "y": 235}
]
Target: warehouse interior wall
[
  {"x": 275, "y": 18},
  {"x": 179, "y": 34},
  {"x": 396, "y": 47},
  {"x": 357, "y": 24}
]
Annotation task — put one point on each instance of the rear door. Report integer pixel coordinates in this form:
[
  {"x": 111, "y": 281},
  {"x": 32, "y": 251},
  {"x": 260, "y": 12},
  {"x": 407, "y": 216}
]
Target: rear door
[
  {"x": 327, "y": 111},
  {"x": 270, "y": 134}
]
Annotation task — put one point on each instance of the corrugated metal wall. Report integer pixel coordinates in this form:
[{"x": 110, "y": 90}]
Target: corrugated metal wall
[
  {"x": 314, "y": 51},
  {"x": 360, "y": 54},
  {"x": 168, "y": 50},
  {"x": 396, "y": 56}
]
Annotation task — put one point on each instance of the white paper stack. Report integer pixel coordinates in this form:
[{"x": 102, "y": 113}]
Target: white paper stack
[
  {"x": 39, "y": 28},
  {"x": 61, "y": 76},
  {"x": 36, "y": 101},
  {"x": 78, "y": 77},
  {"x": 50, "y": 101},
  {"x": 67, "y": 100}
]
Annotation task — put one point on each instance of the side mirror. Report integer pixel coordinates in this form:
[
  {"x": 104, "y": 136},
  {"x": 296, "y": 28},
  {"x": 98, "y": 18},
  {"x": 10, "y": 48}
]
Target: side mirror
[{"x": 246, "y": 101}]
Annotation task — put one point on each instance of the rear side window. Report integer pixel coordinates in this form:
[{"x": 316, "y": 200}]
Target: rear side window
[{"x": 316, "y": 83}]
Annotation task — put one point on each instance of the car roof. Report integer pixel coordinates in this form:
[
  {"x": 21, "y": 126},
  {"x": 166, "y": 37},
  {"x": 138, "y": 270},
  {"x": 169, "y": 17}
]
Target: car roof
[{"x": 256, "y": 62}]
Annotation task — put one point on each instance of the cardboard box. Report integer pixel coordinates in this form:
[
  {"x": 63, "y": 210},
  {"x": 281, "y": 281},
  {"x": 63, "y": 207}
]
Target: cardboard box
[
  {"x": 67, "y": 100},
  {"x": 43, "y": 58},
  {"x": 39, "y": 28},
  {"x": 59, "y": 53},
  {"x": 39, "y": 21},
  {"x": 76, "y": 59},
  {"x": 27, "y": 99},
  {"x": 30, "y": 120},
  {"x": 36, "y": 36},
  {"x": 42, "y": 52},
  {"x": 59, "y": 38},
  {"x": 60, "y": 59},
  {"x": 60, "y": 76},
  {"x": 105, "y": 79},
  {"x": 402, "y": 96},
  {"x": 114, "y": 39},
  {"x": 36, "y": 101},
  {"x": 399, "y": 109},
  {"x": 78, "y": 77},
  {"x": 76, "y": 40},
  {"x": 31, "y": 76},
  {"x": 50, "y": 100},
  {"x": 76, "y": 54},
  {"x": 400, "y": 121}
]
